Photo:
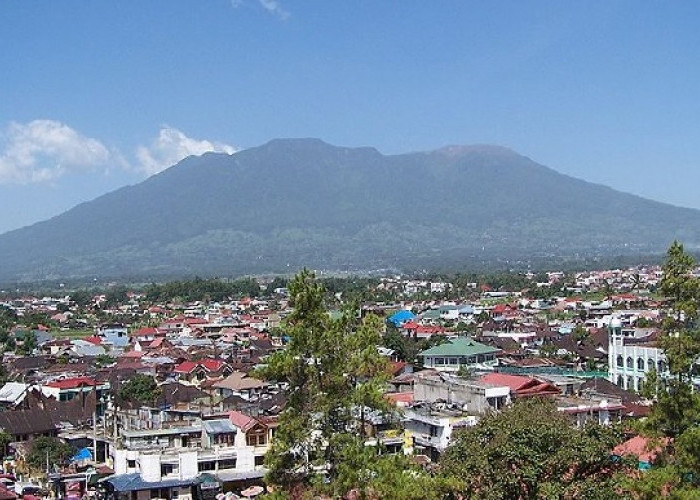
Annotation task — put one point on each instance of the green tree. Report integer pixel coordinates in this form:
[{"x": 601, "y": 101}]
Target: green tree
[
  {"x": 50, "y": 449},
  {"x": 103, "y": 360},
  {"x": 676, "y": 411},
  {"x": 335, "y": 377},
  {"x": 531, "y": 450},
  {"x": 140, "y": 389},
  {"x": 678, "y": 406},
  {"x": 81, "y": 298},
  {"x": 5, "y": 440},
  {"x": 29, "y": 343}
]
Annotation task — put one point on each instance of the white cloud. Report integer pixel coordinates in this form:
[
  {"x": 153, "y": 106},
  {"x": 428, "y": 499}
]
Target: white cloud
[
  {"x": 271, "y": 6},
  {"x": 274, "y": 7},
  {"x": 43, "y": 150},
  {"x": 171, "y": 146}
]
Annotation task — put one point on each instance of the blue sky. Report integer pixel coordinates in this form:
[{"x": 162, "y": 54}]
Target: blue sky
[{"x": 95, "y": 95}]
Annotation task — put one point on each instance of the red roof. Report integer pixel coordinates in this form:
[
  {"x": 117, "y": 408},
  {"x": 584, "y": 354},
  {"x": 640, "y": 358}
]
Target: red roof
[
  {"x": 501, "y": 308},
  {"x": 93, "y": 340},
  {"x": 241, "y": 420},
  {"x": 156, "y": 343},
  {"x": 145, "y": 331},
  {"x": 213, "y": 365},
  {"x": 643, "y": 448},
  {"x": 409, "y": 325},
  {"x": 195, "y": 321},
  {"x": 72, "y": 383},
  {"x": 186, "y": 367},
  {"x": 395, "y": 367},
  {"x": 429, "y": 329},
  {"x": 132, "y": 354},
  {"x": 400, "y": 397},
  {"x": 6, "y": 494},
  {"x": 519, "y": 385}
]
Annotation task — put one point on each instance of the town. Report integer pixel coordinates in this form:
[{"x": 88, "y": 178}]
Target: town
[{"x": 148, "y": 393}]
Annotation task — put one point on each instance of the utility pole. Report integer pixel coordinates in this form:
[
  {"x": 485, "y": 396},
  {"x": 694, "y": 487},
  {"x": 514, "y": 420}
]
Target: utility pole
[{"x": 94, "y": 436}]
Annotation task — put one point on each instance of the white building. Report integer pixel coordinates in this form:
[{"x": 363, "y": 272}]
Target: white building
[{"x": 630, "y": 357}]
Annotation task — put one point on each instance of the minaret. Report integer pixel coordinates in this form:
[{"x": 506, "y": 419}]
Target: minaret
[{"x": 615, "y": 345}]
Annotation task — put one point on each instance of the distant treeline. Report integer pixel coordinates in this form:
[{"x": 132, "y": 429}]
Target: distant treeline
[{"x": 207, "y": 290}]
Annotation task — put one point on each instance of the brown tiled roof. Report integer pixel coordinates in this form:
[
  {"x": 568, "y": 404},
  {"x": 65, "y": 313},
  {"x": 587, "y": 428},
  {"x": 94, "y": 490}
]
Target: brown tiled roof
[
  {"x": 34, "y": 421},
  {"x": 603, "y": 386}
]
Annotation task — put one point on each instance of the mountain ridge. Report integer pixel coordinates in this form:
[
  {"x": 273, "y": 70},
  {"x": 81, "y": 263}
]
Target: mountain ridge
[{"x": 295, "y": 202}]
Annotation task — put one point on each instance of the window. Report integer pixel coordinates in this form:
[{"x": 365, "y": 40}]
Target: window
[
  {"x": 620, "y": 381},
  {"x": 640, "y": 364},
  {"x": 229, "y": 463},
  {"x": 650, "y": 364},
  {"x": 256, "y": 439},
  {"x": 662, "y": 366},
  {"x": 630, "y": 362},
  {"x": 167, "y": 469},
  {"x": 630, "y": 383},
  {"x": 226, "y": 439},
  {"x": 259, "y": 460},
  {"x": 206, "y": 466},
  {"x": 131, "y": 464},
  {"x": 620, "y": 361}
]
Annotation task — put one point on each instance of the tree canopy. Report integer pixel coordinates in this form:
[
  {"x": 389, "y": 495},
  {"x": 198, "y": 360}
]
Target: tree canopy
[
  {"x": 140, "y": 389},
  {"x": 48, "y": 449},
  {"x": 531, "y": 450},
  {"x": 335, "y": 379}
]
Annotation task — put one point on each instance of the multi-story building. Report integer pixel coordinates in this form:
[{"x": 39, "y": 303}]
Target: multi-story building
[
  {"x": 631, "y": 354},
  {"x": 461, "y": 352},
  {"x": 231, "y": 448}
]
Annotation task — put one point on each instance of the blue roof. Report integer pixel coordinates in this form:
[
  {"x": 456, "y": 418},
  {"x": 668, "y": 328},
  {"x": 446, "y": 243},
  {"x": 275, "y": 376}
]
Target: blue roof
[
  {"x": 400, "y": 317},
  {"x": 133, "y": 482},
  {"x": 83, "y": 454}
]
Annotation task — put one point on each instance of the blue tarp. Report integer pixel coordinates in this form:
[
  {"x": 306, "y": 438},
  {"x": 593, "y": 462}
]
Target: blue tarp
[
  {"x": 401, "y": 317},
  {"x": 84, "y": 454}
]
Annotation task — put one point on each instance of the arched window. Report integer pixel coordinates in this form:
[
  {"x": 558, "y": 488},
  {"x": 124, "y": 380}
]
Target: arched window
[
  {"x": 630, "y": 362},
  {"x": 630, "y": 383},
  {"x": 650, "y": 364},
  {"x": 620, "y": 381},
  {"x": 620, "y": 361},
  {"x": 662, "y": 366},
  {"x": 640, "y": 364}
]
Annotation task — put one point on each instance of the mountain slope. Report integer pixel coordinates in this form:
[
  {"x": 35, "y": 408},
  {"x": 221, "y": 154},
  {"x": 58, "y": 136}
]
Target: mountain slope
[{"x": 304, "y": 202}]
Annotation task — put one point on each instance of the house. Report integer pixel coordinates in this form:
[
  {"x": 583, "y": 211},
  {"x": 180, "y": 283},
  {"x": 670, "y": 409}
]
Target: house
[
  {"x": 66, "y": 389},
  {"x": 195, "y": 372},
  {"x": 12, "y": 394},
  {"x": 241, "y": 385},
  {"x": 428, "y": 428},
  {"x": 26, "y": 425},
  {"x": 521, "y": 387},
  {"x": 230, "y": 447},
  {"x": 114, "y": 334},
  {"x": 462, "y": 352},
  {"x": 583, "y": 410},
  {"x": 473, "y": 396}
]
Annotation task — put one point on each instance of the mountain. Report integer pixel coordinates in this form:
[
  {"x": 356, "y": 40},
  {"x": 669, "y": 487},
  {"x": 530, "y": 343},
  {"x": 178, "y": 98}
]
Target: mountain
[{"x": 302, "y": 202}]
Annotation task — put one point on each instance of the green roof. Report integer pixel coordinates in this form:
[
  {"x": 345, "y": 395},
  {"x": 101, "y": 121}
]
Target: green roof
[
  {"x": 431, "y": 314},
  {"x": 460, "y": 346}
]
